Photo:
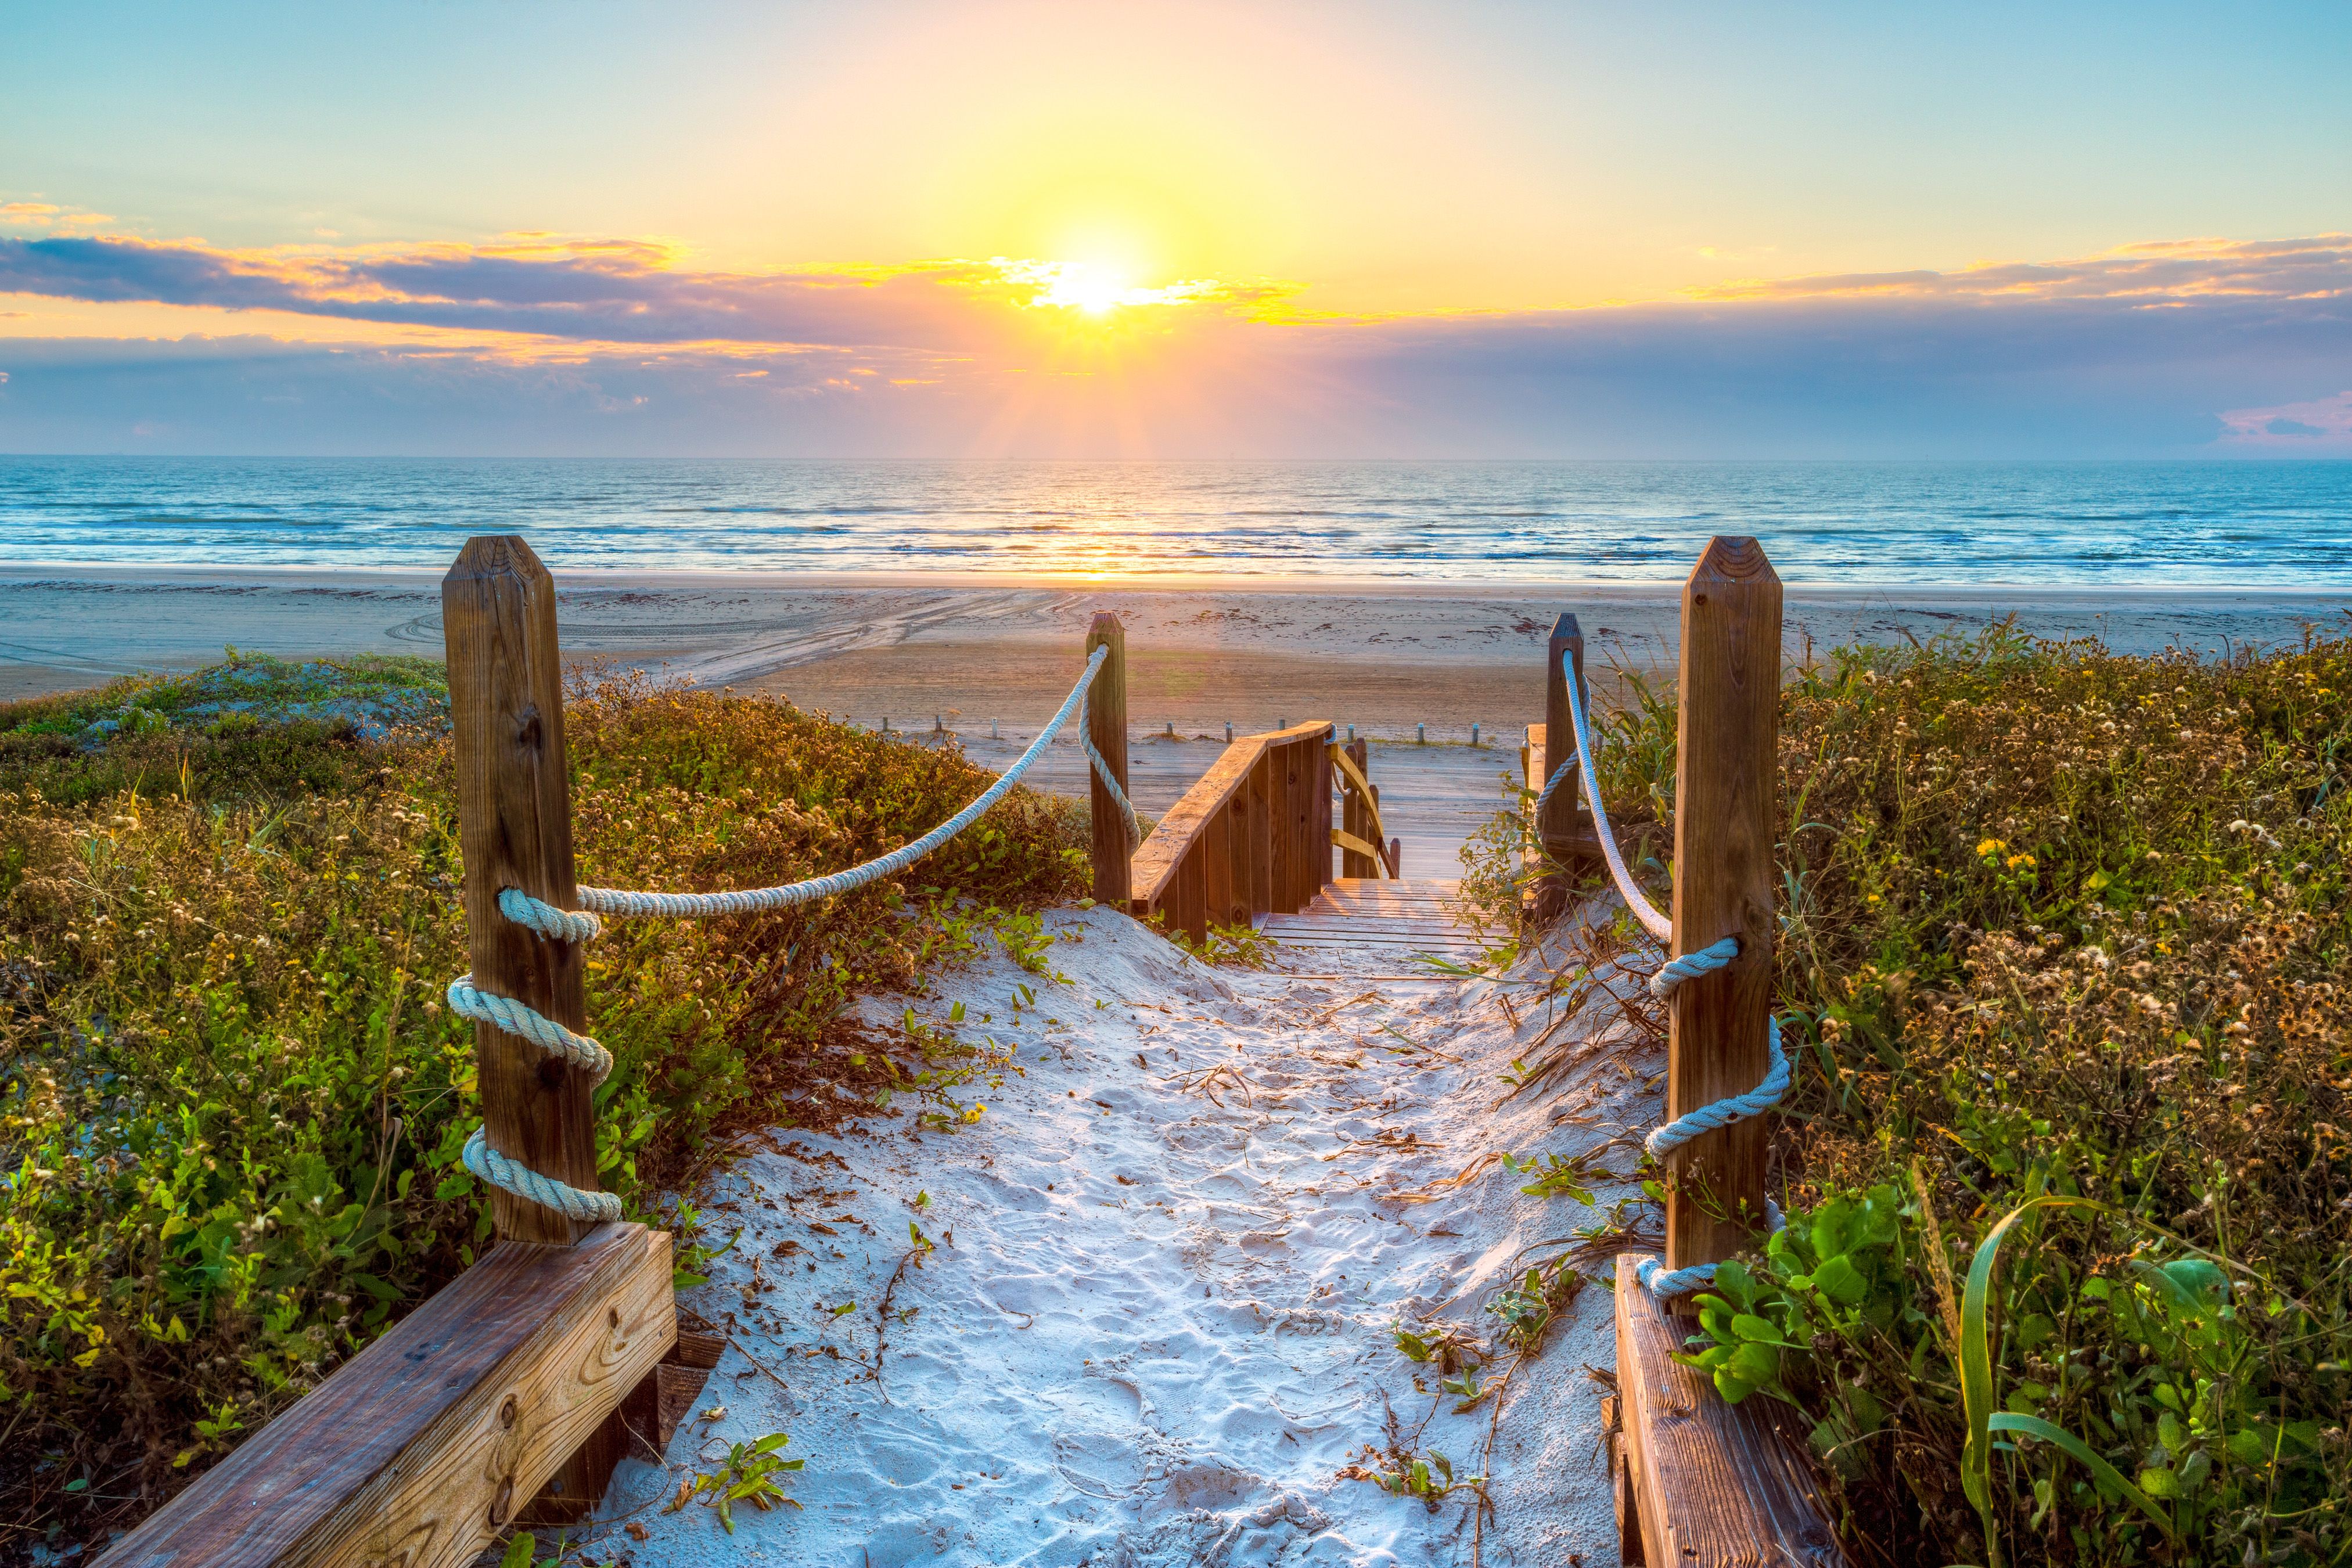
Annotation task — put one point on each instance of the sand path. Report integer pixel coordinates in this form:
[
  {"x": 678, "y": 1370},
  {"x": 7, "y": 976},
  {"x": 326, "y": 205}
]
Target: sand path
[{"x": 1169, "y": 1257}]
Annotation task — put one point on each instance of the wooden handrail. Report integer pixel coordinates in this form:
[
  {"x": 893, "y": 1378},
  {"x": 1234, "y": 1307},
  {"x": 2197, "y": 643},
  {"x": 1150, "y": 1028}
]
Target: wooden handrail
[{"x": 1251, "y": 836}]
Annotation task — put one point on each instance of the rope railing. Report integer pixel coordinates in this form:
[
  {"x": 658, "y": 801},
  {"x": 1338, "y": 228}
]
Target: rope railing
[
  {"x": 513, "y": 1017},
  {"x": 1100, "y": 764},
  {"x": 1676, "y": 971}
]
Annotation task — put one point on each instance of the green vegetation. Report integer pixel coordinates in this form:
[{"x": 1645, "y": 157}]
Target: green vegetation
[
  {"x": 232, "y": 1096},
  {"x": 2063, "y": 964}
]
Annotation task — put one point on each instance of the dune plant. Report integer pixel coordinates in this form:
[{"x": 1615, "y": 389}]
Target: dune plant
[
  {"x": 232, "y": 1096},
  {"x": 2063, "y": 956}
]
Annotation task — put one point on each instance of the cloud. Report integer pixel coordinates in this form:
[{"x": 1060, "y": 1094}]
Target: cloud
[
  {"x": 2164, "y": 272},
  {"x": 543, "y": 343},
  {"x": 543, "y": 287},
  {"x": 2320, "y": 424},
  {"x": 48, "y": 214}
]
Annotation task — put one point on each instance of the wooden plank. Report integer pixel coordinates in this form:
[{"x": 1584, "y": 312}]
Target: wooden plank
[
  {"x": 1354, "y": 818},
  {"x": 1285, "y": 879},
  {"x": 1107, "y": 726},
  {"x": 1319, "y": 832},
  {"x": 1727, "y": 805},
  {"x": 514, "y": 828},
  {"x": 1311, "y": 844},
  {"x": 420, "y": 1448},
  {"x": 1217, "y": 866},
  {"x": 1261, "y": 828},
  {"x": 1240, "y": 842},
  {"x": 1156, "y": 862},
  {"x": 1712, "y": 1483}
]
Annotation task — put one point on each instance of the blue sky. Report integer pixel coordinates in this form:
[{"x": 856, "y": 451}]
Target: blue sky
[{"x": 1028, "y": 229}]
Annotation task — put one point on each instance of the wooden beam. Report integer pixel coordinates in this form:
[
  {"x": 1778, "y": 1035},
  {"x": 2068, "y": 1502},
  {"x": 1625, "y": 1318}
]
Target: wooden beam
[
  {"x": 1217, "y": 866},
  {"x": 1708, "y": 1483},
  {"x": 1261, "y": 827},
  {"x": 1243, "y": 839},
  {"x": 1353, "y": 863},
  {"x": 514, "y": 828},
  {"x": 1318, "y": 831},
  {"x": 1106, "y": 724},
  {"x": 1727, "y": 807},
  {"x": 422, "y": 1447}
]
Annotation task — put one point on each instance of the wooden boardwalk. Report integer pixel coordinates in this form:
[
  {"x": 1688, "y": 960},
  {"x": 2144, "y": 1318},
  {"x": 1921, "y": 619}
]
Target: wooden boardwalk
[{"x": 1370, "y": 924}]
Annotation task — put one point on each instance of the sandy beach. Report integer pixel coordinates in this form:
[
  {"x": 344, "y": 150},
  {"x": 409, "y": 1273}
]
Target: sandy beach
[
  {"x": 1202, "y": 651},
  {"x": 988, "y": 659}
]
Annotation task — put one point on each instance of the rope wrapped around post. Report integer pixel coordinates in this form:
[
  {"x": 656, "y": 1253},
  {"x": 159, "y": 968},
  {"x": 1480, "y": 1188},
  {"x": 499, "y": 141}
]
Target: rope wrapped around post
[
  {"x": 1675, "y": 971},
  {"x": 1101, "y": 767},
  {"x": 514, "y": 1019}
]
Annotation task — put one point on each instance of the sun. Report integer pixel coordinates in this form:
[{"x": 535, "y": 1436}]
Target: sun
[{"x": 1093, "y": 287}]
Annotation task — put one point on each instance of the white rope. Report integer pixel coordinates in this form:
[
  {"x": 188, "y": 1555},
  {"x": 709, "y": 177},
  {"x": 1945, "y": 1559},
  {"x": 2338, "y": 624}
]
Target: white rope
[
  {"x": 510, "y": 1016},
  {"x": 1102, "y": 770},
  {"x": 1691, "y": 965},
  {"x": 618, "y": 901},
  {"x": 520, "y": 1179},
  {"x": 506, "y": 1013},
  {"x": 1664, "y": 1281},
  {"x": 1658, "y": 925},
  {"x": 1672, "y": 974}
]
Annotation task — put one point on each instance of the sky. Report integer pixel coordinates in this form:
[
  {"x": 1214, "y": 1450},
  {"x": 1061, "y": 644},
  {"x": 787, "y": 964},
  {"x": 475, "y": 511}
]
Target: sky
[{"x": 937, "y": 230}]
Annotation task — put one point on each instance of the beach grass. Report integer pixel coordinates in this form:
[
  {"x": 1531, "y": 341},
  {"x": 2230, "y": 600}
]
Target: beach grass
[
  {"x": 232, "y": 1096},
  {"x": 2063, "y": 932}
]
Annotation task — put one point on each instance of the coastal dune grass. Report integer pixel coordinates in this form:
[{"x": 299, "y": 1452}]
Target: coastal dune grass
[
  {"x": 2066, "y": 971},
  {"x": 231, "y": 1094}
]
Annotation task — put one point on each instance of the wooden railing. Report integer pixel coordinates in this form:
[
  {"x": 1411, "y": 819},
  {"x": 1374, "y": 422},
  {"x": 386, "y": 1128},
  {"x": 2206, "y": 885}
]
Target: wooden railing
[
  {"x": 1252, "y": 836},
  {"x": 510, "y": 1395},
  {"x": 1700, "y": 1481}
]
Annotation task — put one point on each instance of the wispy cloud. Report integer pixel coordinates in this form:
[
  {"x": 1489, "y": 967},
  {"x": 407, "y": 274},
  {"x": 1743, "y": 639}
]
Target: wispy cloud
[
  {"x": 602, "y": 291},
  {"x": 2160, "y": 272},
  {"x": 546, "y": 342}
]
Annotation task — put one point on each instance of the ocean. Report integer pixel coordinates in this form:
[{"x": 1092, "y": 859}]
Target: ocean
[{"x": 2136, "y": 524}]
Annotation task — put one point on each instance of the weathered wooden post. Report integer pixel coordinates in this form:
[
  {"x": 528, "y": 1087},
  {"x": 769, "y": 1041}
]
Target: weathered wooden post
[
  {"x": 1727, "y": 803},
  {"x": 514, "y": 828},
  {"x": 1107, "y": 725},
  {"x": 1564, "y": 828},
  {"x": 1356, "y": 816}
]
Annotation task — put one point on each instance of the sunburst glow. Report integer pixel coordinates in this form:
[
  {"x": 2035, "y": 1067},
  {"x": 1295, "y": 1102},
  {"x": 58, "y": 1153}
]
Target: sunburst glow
[{"x": 1096, "y": 288}]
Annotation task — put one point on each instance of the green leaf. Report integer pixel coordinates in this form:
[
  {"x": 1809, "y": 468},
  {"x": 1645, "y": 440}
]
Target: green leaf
[
  {"x": 2076, "y": 1449},
  {"x": 519, "y": 1552},
  {"x": 1976, "y": 1359},
  {"x": 1837, "y": 1278},
  {"x": 1763, "y": 1331}
]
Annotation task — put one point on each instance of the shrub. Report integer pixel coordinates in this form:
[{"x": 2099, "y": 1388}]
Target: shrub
[
  {"x": 2059, "y": 923},
  {"x": 232, "y": 1097}
]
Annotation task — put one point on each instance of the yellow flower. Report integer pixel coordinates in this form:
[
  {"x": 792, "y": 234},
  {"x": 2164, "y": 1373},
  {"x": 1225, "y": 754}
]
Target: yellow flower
[
  {"x": 1991, "y": 847},
  {"x": 2025, "y": 860}
]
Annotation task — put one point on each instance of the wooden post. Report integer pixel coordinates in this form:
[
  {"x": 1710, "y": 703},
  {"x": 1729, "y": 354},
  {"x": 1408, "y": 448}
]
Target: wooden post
[
  {"x": 1356, "y": 817},
  {"x": 1106, "y": 724},
  {"x": 1727, "y": 800},
  {"x": 1564, "y": 829},
  {"x": 1319, "y": 830},
  {"x": 514, "y": 827}
]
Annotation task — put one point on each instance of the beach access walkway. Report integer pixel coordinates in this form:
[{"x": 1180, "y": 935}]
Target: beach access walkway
[{"x": 1214, "y": 1264}]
